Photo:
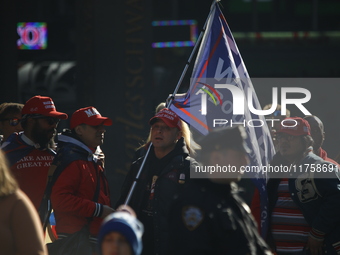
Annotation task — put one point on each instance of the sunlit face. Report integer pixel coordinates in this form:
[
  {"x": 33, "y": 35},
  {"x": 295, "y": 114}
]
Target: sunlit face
[
  {"x": 163, "y": 137},
  {"x": 10, "y": 124},
  {"x": 291, "y": 147},
  {"x": 92, "y": 136},
  {"x": 115, "y": 244}
]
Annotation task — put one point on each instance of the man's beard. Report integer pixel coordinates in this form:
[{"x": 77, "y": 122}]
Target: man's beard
[{"x": 41, "y": 136}]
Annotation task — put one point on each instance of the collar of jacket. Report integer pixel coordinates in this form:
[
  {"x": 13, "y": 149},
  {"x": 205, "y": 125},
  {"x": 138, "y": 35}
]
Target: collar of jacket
[
  {"x": 68, "y": 139},
  {"x": 180, "y": 148}
]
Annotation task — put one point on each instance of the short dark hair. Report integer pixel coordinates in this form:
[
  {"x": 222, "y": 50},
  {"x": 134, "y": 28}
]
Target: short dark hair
[{"x": 10, "y": 108}]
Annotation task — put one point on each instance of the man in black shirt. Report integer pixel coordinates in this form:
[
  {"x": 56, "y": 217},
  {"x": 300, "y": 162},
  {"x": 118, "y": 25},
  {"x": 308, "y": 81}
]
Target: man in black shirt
[{"x": 209, "y": 217}]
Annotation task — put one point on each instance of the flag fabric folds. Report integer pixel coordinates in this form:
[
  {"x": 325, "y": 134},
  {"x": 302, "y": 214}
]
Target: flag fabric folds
[{"x": 219, "y": 92}]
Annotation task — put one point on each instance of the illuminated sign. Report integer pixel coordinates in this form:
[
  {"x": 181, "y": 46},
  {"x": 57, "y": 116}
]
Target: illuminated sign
[
  {"x": 193, "y": 33},
  {"x": 33, "y": 35}
]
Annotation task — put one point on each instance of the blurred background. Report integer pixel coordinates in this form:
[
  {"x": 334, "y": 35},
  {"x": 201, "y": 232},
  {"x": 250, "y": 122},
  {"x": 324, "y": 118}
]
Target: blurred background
[{"x": 124, "y": 57}]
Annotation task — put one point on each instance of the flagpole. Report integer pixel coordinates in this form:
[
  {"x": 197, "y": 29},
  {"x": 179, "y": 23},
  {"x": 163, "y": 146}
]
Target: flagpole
[
  {"x": 192, "y": 54},
  {"x": 128, "y": 197}
]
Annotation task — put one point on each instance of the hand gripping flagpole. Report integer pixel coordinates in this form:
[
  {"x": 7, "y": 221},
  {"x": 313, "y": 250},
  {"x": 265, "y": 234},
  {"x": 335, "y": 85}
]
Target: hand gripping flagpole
[{"x": 128, "y": 197}]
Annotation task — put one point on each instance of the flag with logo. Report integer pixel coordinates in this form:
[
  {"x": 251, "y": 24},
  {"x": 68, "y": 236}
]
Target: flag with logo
[{"x": 221, "y": 94}]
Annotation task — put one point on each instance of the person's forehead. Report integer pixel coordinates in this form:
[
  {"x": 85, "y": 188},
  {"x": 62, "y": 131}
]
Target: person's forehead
[
  {"x": 295, "y": 138},
  {"x": 13, "y": 115},
  {"x": 115, "y": 234},
  {"x": 91, "y": 127},
  {"x": 159, "y": 122}
]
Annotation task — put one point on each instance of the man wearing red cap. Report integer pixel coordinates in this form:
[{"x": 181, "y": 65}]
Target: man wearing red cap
[
  {"x": 80, "y": 191},
  {"x": 30, "y": 153},
  {"x": 166, "y": 172},
  {"x": 304, "y": 198}
]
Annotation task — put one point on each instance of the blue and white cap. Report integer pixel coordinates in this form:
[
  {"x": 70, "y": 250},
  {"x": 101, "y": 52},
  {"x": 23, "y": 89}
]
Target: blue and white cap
[{"x": 125, "y": 224}]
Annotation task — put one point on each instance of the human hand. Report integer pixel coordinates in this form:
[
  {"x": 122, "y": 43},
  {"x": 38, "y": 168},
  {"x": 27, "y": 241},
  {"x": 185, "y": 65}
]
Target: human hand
[
  {"x": 106, "y": 211},
  {"x": 126, "y": 208},
  {"x": 314, "y": 246}
]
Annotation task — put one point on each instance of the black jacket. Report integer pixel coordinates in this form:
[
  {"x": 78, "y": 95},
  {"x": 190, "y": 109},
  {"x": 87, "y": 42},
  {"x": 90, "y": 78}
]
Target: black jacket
[
  {"x": 210, "y": 218},
  {"x": 315, "y": 188},
  {"x": 173, "y": 174}
]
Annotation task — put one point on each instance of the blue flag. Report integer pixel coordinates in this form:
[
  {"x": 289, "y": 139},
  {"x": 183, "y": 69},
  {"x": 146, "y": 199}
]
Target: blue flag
[{"x": 221, "y": 94}]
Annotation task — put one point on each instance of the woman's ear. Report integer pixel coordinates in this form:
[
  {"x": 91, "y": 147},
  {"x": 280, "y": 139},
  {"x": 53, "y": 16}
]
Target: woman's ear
[{"x": 179, "y": 135}]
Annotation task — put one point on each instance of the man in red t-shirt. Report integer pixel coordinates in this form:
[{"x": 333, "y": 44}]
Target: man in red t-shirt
[{"x": 30, "y": 153}]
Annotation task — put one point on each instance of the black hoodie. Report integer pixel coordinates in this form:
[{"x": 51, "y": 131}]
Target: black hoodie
[{"x": 152, "y": 202}]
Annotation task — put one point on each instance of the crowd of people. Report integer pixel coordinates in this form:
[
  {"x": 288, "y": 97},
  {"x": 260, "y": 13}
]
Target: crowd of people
[{"x": 161, "y": 209}]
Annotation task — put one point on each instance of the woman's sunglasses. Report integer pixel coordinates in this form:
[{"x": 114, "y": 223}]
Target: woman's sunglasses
[{"x": 13, "y": 121}]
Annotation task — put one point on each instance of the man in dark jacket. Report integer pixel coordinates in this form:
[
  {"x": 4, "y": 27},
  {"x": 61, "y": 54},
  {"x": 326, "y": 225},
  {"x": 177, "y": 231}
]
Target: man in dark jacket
[
  {"x": 166, "y": 172},
  {"x": 308, "y": 195},
  {"x": 209, "y": 217}
]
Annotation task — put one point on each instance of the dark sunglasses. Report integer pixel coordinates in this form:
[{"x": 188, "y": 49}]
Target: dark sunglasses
[
  {"x": 50, "y": 120},
  {"x": 13, "y": 121}
]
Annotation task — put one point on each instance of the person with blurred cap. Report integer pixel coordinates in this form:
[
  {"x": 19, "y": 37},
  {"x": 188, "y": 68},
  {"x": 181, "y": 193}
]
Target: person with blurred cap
[
  {"x": 209, "y": 217},
  {"x": 80, "y": 192},
  {"x": 318, "y": 134},
  {"x": 308, "y": 195},
  {"x": 165, "y": 173},
  {"x": 30, "y": 153},
  {"x": 121, "y": 233}
]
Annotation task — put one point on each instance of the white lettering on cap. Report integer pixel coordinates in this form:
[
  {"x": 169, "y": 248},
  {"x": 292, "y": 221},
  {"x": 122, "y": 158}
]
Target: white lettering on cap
[
  {"x": 48, "y": 104},
  {"x": 91, "y": 112},
  {"x": 170, "y": 113}
]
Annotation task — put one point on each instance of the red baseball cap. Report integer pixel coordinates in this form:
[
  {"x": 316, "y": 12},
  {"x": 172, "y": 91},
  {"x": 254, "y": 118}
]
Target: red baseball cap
[
  {"x": 44, "y": 106},
  {"x": 90, "y": 116},
  {"x": 169, "y": 117},
  {"x": 295, "y": 126}
]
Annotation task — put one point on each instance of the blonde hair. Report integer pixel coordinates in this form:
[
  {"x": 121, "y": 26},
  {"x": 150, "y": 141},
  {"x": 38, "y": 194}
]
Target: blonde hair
[
  {"x": 160, "y": 106},
  {"x": 8, "y": 184},
  {"x": 191, "y": 145}
]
